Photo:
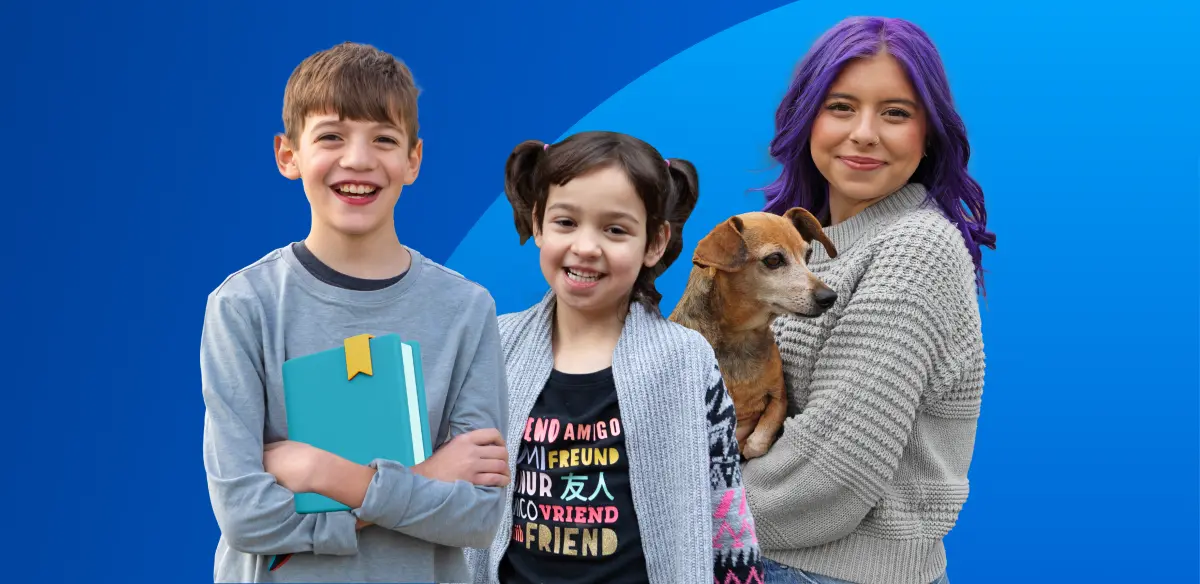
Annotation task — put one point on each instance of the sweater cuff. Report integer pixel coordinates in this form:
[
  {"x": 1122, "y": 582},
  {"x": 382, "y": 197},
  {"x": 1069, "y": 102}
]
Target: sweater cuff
[
  {"x": 388, "y": 496},
  {"x": 335, "y": 534}
]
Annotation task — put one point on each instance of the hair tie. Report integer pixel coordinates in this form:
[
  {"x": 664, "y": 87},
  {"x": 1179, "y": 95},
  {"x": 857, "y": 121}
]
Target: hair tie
[
  {"x": 668, "y": 163},
  {"x": 545, "y": 147}
]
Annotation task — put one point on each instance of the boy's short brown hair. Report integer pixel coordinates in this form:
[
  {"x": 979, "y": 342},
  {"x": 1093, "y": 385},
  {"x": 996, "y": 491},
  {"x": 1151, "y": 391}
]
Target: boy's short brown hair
[{"x": 355, "y": 81}]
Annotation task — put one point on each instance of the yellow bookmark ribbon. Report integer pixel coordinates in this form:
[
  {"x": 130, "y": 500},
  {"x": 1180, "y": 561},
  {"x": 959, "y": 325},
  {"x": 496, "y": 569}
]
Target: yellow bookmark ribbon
[{"x": 358, "y": 355}]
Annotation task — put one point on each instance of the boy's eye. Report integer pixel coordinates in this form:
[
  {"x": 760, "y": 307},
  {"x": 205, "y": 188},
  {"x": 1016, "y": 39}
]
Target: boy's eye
[
  {"x": 327, "y": 137},
  {"x": 389, "y": 140}
]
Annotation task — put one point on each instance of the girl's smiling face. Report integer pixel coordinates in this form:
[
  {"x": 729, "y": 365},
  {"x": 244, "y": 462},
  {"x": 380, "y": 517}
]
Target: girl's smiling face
[{"x": 593, "y": 241}]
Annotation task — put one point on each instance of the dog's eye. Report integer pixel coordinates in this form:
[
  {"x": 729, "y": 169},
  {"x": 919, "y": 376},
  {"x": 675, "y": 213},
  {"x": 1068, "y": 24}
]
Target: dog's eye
[{"x": 774, "y": 261}]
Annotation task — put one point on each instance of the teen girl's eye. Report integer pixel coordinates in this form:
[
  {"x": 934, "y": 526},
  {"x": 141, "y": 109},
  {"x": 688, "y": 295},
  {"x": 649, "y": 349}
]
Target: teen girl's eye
[
  {"x": 897, "y": 113},
  {"x": 839, "y": 107},
  {"x": 774, "y": 261}
]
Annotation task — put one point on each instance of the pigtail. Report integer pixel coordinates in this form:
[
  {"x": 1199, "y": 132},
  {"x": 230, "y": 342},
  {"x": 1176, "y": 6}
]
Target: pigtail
[
  {"x": 520, "y": 184},
  {"x": 683, "y": 191},
  {"x": 679, "y": 200}
]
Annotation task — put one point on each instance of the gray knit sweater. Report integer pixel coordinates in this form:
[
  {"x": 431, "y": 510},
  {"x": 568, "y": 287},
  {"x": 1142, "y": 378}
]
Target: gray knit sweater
[
  {"x": 678, "y": 422},
  {"x": 870, "y": 472}
]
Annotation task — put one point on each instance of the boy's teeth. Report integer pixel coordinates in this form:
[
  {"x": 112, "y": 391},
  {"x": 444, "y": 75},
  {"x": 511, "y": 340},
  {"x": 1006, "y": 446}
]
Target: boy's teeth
[
  {"x": 581, "y": 278},
  {"x": 356, "y": 189}
]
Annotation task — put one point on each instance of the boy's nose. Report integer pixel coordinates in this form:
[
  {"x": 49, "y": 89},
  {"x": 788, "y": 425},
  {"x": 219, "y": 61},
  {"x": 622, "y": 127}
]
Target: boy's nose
[{"x": 357, "y": 157}]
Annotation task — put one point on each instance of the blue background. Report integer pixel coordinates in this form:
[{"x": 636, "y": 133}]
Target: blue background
[{"x": 138, "y": 159}]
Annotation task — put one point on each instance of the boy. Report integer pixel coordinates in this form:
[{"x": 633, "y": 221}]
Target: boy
[{"x": 350, "y": 137}]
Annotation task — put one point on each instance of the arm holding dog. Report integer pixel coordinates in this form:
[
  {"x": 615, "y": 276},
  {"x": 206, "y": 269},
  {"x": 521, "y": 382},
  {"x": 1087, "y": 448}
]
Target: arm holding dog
[{"x": 906, "y": 335}]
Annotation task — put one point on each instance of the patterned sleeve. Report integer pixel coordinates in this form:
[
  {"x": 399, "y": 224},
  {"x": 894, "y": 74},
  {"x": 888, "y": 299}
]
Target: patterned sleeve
[{"x": 736, "y": 558}]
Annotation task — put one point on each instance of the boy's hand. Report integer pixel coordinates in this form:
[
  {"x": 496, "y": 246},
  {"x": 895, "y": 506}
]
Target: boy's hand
[
  {"x": 294, "y": 464},
  {"x": 478, "y": 457}
]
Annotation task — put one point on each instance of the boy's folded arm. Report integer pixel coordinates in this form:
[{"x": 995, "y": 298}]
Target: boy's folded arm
[
  {"x": 254, "y": 513},
  {"x": 457, "y": 514}
]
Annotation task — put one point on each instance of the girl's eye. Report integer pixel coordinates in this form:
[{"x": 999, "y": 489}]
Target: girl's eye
[
  {"x": 897, "y": 113},
  {"x": 563, "y": 222},
  {"x": 618, "y": 231},
  {"x": 838, "y": 107}
]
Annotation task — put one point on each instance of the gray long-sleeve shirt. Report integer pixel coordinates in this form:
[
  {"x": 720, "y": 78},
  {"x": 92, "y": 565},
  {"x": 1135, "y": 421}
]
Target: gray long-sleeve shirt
[{"x": 276, "y": 309}]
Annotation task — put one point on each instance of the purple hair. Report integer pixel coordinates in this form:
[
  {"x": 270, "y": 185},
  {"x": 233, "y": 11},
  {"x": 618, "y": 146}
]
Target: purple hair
[{"x": 943, "y": 171}]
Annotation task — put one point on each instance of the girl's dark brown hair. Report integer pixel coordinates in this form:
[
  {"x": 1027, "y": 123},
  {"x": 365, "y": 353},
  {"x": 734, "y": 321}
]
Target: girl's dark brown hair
[{"x": 668, "y": 188}]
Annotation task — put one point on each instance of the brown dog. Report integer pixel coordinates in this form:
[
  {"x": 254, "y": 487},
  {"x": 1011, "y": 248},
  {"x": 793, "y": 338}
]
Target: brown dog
[{"x": 746, "y": 272}]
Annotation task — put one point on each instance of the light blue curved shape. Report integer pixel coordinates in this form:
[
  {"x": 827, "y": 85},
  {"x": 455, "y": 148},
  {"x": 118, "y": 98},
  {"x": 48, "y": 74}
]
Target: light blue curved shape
[
  {"x": 714, "y": 104},
  {"x": 1066, "y": 135},
  {"x": 711, "y": 104}
]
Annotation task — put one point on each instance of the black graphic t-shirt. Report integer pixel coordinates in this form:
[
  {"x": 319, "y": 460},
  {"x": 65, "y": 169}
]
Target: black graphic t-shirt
[{"x": 573, "y": 517}]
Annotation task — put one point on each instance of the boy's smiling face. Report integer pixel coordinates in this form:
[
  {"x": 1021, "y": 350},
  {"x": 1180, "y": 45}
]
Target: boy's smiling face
[{"x": 352, "y": 171}]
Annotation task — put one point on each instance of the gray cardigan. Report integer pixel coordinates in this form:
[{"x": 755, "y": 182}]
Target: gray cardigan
[{"x": 678, "y": 421}]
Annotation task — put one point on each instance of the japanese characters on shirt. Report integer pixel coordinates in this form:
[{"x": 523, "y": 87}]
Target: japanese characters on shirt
[{"x": 562, "y": 504}]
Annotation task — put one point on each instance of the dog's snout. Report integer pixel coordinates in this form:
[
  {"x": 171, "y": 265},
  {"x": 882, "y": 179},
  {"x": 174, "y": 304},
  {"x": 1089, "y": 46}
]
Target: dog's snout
[{"x": 825, "y": 297}]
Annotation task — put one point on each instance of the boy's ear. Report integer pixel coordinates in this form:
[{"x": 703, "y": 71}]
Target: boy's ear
[
  {"x": 658, "y": 247},
  {"x": 414, "y": 162},
  {"x": 285, "y": 157}
]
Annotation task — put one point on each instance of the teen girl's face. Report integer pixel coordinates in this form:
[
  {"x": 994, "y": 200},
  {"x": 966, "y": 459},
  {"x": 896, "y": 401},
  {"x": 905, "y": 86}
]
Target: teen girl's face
[
  {"x": 869, "y": 135},
  {"x": 593, "y": 241}
]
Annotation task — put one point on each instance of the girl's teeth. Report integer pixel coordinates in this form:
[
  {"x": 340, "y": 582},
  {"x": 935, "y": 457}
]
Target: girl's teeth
[{"x": 581, "y": 278}]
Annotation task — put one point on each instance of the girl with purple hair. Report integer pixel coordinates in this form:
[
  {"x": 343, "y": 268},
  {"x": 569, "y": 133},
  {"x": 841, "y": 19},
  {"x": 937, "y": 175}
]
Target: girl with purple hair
[{"x": 870, "y": 471}]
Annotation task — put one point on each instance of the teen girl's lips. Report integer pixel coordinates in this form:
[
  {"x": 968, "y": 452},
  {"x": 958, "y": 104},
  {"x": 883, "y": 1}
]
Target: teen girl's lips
[
  {"x": 353, "y": 192},
  {"x": 861, "y": 162},
  {"x": 582, "y": 278}
]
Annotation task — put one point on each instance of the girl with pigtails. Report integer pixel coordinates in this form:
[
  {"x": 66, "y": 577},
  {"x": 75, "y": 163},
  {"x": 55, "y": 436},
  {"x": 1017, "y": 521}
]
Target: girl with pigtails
[{"x": 621, "y": 434}]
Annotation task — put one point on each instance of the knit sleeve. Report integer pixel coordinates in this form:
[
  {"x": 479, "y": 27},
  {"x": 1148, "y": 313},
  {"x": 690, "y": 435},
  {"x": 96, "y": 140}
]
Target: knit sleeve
[
  {"x": 735, "y": 545},
  {"x": 903, "y": 334}
]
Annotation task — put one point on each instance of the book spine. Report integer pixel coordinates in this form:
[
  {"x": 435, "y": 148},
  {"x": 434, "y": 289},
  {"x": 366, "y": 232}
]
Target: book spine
[{"x": 414, "y": 380}]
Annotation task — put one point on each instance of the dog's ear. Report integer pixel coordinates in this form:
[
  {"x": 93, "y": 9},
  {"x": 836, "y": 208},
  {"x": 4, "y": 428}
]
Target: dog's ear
[
  {"x": 810, "y": 228},
  {"x": 723, "y": 248}
]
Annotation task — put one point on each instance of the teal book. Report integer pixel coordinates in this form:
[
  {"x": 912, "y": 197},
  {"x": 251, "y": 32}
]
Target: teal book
[{"x": 362, "y": 401}]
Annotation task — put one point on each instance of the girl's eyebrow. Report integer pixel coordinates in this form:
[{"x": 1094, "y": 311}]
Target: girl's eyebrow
[{"x": 608, "y": 215}]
